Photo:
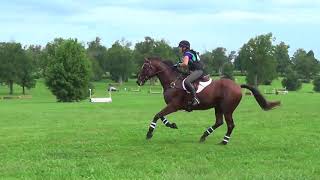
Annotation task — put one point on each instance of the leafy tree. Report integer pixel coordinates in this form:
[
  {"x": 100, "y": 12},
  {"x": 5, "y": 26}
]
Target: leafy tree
[
  {"x": 11, "y": 56},
  {"x": 48, "y": 52},
  {"x": 119, "y": 61},
  {"x": 227, "y": 70},
  {"x": 36, "y": 56},
  {"x": 219, "y": 59},
  {"x": 153, "y": 48},
  {"x": 282, "y": 57},
  {"x": 207, "y": 59},
  {"x": 291, "y": 80},
  {"x": 215, "y": 60},
  {"x": 305, "y": 64},
  {"x": 142, "y": 50},
  {"x": 232, "y": 56},
  {"x": 68, "y": 70},
  {"x": 316, "y": 83},
  {"x": 241, "y": 58},
  {"x": 98, "y": 56},
  {"x": 163, "y": 49},
  {"x": 27, "y": 76},
  {"x": 257, "y": 57}
]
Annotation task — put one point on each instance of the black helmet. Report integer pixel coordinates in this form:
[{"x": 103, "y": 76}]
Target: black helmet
[{"x": 185, "y": 44}]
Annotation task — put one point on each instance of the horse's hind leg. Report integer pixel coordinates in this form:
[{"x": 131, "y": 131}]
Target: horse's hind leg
[
  {"x": 167, "y": 123},
  {"x": 219, "y": 122},
  {"x": 230, "y": 125}
]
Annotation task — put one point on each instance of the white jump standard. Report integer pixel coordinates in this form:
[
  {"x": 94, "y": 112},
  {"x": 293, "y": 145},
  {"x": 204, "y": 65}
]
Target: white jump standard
[{"x": 100, "y": 100}]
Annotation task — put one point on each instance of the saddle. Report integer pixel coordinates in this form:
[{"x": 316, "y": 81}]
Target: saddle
[
  {"x": 199, "y": 84},
  {"x": 202, "y": 79}
]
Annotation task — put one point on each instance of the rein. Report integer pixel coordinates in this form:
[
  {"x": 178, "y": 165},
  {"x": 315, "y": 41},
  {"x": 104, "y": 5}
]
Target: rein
[
  {"x": 159, "y": 72},
  {"x": 173, "y": 83}
]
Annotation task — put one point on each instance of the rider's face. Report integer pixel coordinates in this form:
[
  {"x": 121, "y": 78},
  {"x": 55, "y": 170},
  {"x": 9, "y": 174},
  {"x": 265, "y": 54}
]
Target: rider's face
[{"x": 182, "y": 49}]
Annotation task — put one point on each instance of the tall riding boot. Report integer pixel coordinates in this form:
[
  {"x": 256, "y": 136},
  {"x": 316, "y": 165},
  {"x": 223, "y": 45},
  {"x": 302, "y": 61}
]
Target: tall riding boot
[{"x": 195, "y": 100}]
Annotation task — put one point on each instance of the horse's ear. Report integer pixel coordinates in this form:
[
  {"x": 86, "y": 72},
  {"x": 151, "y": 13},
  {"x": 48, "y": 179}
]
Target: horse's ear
[{"x": 146, "y": 60}]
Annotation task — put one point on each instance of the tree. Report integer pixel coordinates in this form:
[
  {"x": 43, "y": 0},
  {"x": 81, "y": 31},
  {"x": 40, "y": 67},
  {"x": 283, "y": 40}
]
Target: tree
[
  {"x": 291, "y": 80},
  {"x": 119, "y": 61},
  {"x": 153, "y": 48},
  {"x": 282, "y": 57},
  {"x": 240, "y": 59},
  {"x": 163, "y": 49},
  {"x": 68, "y": 70},
  {"x": 143, "y": 50},
  {"x": 227, "y": 70},
  {"x": 48, "y": 52},
  {"x": 316, "y": 84},
  {"x": 11, "y": 55},
  {"x": 36, "y": 56},
  {"x": 27, "y": 77},
  {"x": 257, "y": 57},
  {"x": 207, "y": 60},
  {"x": 219, "y": 59},
  {"x": 98, "y": 55},
  {"x": 306, "y": 65},
  {"x": 232, "y": 56}
]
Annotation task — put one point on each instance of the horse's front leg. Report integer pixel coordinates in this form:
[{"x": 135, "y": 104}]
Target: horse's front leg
[
  {"x": 170, "y": 108},
  {"x": 167, "y": 123}
]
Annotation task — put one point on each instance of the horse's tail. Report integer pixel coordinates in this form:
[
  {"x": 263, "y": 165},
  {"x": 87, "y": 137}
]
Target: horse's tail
[{"x": 264, "y": 104}]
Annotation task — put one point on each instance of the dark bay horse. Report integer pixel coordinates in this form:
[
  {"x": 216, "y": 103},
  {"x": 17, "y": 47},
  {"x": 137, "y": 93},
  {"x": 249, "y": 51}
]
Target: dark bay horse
[{"x": 223, "y": 95}]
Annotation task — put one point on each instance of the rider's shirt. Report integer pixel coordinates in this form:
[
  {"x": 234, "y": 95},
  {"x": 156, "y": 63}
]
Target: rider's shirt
[{"x": 194, "y": 61}]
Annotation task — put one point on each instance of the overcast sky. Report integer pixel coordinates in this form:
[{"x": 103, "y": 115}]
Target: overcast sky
[{"x": 206, "y": 24}]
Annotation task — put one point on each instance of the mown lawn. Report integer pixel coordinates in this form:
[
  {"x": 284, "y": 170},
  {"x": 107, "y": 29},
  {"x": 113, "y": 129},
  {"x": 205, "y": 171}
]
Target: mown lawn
[{"x": 42, "y": 139}]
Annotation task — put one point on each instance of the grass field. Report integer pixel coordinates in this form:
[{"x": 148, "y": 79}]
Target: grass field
[{"x": 42, "y": 139}]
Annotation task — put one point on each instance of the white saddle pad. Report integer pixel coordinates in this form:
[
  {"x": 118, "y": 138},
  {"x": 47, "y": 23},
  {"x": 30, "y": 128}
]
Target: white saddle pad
[{"x": 201, "y": 86}]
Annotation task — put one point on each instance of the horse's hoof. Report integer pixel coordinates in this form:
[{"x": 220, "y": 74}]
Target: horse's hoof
[
  {"x": 149, "y": 136},
  {"x": 174, "y": 126},
  {"x": 202, "y": 139},
  {"x": 223, "y": 143}
]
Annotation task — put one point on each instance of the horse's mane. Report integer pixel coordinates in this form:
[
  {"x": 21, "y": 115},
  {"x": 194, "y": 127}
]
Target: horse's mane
[{"x": 166, "y": 62}]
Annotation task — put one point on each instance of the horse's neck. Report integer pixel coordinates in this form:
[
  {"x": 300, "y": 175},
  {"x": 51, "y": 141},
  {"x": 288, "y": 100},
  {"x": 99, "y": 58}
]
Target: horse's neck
[{"x": 167, "y": 76}]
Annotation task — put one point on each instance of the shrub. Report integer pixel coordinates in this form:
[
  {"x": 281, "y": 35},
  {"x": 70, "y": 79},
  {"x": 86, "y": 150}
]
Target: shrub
[
  {"x": 316, "y": 83},
  {"x": 291, "y": 81},
  {"x": 68, "y": 71}
]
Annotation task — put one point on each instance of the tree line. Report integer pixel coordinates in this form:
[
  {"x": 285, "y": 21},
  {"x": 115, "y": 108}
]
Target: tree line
[{"x": 74, "y": 64}]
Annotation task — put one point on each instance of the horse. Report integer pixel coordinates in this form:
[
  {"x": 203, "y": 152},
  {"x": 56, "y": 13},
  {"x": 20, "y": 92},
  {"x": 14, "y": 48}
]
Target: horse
[{"x": 224, "y": 95}]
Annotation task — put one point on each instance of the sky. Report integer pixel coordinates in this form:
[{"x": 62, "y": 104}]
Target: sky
[{"x": 207, "y": 24}]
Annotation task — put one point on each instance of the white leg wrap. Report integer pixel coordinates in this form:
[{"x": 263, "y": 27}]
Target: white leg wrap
[
  {"x": 210, "y": 130},
  {"x": 165, "y": 121},
  {"x": 153, "y": 125}
]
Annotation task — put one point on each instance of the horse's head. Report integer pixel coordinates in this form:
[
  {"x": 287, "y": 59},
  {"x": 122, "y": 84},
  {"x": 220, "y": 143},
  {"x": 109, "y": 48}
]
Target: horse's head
[{"x": 147, "y": 71}]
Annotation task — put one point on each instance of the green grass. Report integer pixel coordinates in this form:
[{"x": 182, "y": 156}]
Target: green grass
[{"x": 42, "y": 139}]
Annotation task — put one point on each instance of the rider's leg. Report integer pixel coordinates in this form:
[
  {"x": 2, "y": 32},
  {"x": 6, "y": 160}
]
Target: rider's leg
[{"x": 188, "y": 82}]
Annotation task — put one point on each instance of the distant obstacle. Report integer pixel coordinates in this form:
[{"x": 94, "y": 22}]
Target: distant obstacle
[
  {"x": 277, "y": 91},
  {"x": 135, "y": 90},
  {"x": 155, "y": 92},
  {"x": 100, "y": 100}
]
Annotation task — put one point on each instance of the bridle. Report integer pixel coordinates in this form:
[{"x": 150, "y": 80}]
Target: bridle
[
  {"x": 147, "y": 77},
  {"x": 153, "y": 74}
]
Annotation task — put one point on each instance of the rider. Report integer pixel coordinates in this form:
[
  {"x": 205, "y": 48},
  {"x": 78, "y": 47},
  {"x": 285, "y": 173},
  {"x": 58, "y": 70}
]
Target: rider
[{"x": 191, "y": 61}]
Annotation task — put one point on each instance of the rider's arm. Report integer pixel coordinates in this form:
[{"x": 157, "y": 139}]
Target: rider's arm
[{"x": 185, "y": 62}]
